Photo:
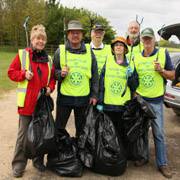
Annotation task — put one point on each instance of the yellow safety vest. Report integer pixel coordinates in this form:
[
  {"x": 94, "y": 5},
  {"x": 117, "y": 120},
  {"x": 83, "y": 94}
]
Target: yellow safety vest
[
  {"x": 22, "y": 86},
  {"x": 101, "y": 56},
  {"x": 136, "y": 50},
  {"x": 77, "y": 82},
  {"x": 114, "y": 83},
  {"x": 151, "y": 83}
]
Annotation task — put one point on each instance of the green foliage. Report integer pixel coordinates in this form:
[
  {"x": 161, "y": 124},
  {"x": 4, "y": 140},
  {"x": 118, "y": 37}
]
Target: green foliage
[
  {"x": 5, "y": 60},
  {"x": 50, "y": 13}
]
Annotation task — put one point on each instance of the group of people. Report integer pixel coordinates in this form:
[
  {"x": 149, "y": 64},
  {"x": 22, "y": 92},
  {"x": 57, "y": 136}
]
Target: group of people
[{"x": 106, "y": 76}]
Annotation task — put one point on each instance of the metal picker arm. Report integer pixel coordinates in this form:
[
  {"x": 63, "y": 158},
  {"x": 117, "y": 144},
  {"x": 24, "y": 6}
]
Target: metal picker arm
[
  {"x": 65, "y": 41},
  {"x": 26, "y": 29}
]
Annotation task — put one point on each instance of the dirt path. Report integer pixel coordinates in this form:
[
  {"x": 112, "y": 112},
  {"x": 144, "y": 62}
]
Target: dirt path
[{"x": 8, "y": 132}]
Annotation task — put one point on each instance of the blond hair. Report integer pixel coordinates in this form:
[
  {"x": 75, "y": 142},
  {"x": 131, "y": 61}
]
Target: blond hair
[{"x": 38, "y": 30}]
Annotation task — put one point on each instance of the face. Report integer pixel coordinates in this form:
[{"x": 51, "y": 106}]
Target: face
[
  {"x": 38, "y": 42},
  {"x": 133, "y": 30},
  {"x": 119, "y": 48},
  {"x": 97, "y": 35},
  {"x": 75, "y": 36},
  {"x": 148, "y": 42}
]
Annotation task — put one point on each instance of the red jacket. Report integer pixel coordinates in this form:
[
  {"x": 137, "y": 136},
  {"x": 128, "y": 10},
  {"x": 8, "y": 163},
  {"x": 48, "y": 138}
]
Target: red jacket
[{"x": 35, "y": 84}]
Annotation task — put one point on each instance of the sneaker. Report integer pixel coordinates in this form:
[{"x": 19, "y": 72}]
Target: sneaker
[
  {"x": 39, "y": 166},
  {"x": 17, "y": 174},
  {"x": 140, "y": 163},
  {"x": 165, "y": 171}
]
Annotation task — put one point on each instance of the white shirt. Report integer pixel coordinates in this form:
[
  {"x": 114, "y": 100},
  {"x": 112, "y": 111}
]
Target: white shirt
[{"x": 93, "y": 47}]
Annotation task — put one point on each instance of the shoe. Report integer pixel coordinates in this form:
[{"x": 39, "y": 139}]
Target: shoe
[
  {"x": 140, "y": 163},
  {"x": 165, "y": 171},
  {"x": 17, "y": 174},
  {"x": 39, "y": 166}
]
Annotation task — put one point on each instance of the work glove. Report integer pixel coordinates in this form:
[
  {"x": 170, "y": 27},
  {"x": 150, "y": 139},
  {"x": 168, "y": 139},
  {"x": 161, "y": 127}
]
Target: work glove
[
  {"x": 99, "y": 107},
  {"x": 129, "y": 71}
]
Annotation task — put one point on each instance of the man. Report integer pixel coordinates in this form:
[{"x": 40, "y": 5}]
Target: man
[
  {"x": 77, "y": 75},
  {"x": 154, "y": 67},
  {"x": 100, "y": 49},
  {"x": 133, "y": 39}
]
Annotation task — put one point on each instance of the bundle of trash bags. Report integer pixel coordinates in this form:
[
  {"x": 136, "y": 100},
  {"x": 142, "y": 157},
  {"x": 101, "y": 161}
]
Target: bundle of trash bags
[
  {"x": 41, "y": 131},
  {"x": 64, "y": 160},
  {"x": 100, "y": 148}
]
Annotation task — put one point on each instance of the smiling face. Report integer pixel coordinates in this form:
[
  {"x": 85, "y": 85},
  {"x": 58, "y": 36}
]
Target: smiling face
[
  {"x": 133, "y": 29},
  {"x": 119, "y": 48},
  {"x": 75, "y": 37},
  {"x": 148, "y": 42},
  {"x": 97, "y": 35},
  {"x": 38, "y": 42}
]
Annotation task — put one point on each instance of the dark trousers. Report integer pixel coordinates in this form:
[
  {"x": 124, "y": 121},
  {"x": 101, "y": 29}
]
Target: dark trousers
[
  {"x": 19, "y": 161},
  {"x": 63, "y": 113}
]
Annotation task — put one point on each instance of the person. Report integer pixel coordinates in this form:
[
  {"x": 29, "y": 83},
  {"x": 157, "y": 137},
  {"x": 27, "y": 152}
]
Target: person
[
  {"x": 115, "y": 74},
  {"x": 100, "y": 49},
  {"x": 133, "y": 39},
  {"x": 154, "y": 66},
  {"x": 32, "y": 69},
  {"x": 77, "y": 75}
]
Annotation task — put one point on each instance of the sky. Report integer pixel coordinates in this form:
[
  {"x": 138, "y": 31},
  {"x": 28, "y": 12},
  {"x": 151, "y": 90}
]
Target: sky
[{"x": 119, "y": 13}]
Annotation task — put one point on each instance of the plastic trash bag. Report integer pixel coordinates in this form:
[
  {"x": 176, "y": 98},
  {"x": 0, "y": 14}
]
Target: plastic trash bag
[
  {"x": 64, "y": 160},
  {"x": 86, "y": 140},
  {"x": 110, "y": 157},
  {"x": 41, "y": 130}
]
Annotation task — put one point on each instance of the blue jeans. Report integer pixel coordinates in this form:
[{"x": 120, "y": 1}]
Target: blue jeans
[{"x": 158, "y": 134}]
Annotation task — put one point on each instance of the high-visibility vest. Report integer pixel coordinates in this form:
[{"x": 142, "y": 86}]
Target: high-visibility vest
[
  {"x": 114, "y": 83},
  {"x": 25, "y": 65},
  {"x": 77, "y": 82},
  {"x": 151, "y": 83},
  {"x": 101, "y": 56},
  {"x": 136, "y": 50}
]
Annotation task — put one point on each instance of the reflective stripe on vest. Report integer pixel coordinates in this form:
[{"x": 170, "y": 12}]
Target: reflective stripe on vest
[
  {"x": 77, "y": 82},
  {"x": 151, "y": 83},
  {"x": 114, "y": 83},
  {"x": 22, "y": 86},
  {"x": 101, "y": 56}
]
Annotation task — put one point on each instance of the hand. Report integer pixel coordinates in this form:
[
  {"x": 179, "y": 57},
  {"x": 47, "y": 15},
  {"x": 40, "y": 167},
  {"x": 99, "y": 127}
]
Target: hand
[
  {"x": 157, "y": 67},
  {"x": 129, "y": 71},
  {"x": 48, "y": 91},
  {"x": 64, "y": 71},
  {"x": 99, "y": 108},
  {"x": 93, "y": 101},
  {"x": 29, "y": 75}
]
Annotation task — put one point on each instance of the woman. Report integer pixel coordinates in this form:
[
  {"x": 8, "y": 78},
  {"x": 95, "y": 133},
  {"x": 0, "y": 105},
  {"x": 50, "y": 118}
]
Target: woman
[
  {"x": 116, "y": 82},
  {"x": 32, "y": 70}
]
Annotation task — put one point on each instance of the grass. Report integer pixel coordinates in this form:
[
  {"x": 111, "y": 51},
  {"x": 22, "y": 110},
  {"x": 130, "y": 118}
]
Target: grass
[
  {"x": 5, "y": 83},
  {"x": 173, "y": 49}
]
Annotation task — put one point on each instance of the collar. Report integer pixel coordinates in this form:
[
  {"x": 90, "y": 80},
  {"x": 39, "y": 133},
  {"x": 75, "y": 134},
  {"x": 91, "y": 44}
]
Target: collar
[
  {"x": 152, "y": 54},
  {"x": 125, "y": 62},
  {"x": 93, "y": 47},
  {"x": 81, "y": 50}
]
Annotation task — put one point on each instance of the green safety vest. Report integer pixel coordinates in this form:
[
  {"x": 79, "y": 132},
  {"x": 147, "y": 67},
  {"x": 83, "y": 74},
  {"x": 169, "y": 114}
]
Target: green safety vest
[
  {"x": 136, "y": 50},
  {"x": 77, "y": 82},
  {"x": 151, "y": 83},
  {"x": 114, "y": 83},
  {"x": 25, "y": 65},
  {"x": 101, "y": 56}
]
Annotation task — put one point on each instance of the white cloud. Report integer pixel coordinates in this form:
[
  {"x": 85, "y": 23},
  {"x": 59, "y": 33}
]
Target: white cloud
[{"x": 120, "y": 12}]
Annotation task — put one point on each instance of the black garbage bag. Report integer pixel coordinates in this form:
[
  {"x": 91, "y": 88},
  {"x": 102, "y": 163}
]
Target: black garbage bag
[
  {"x": 64, "y": 161},
  {"x": 136, "y": 122},
  {"x": 41, "y": 131},
  {"x": 87, "y": 139},
  {"x": 110, "y": 157}
]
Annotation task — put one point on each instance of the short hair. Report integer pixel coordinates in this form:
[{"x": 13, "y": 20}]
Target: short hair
[{"x": 38, "y": 30}]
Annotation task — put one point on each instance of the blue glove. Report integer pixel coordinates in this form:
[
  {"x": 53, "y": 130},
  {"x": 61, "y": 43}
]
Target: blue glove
[
  {"x": 99, "y": 108},
  {"x": 129, "y": 71}
]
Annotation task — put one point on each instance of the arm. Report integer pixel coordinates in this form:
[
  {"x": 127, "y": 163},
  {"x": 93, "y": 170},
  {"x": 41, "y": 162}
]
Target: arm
[
  {"x": 52, "y": 81},
  {"x": 168, "y": 71},
  {"x": 101, "y": 86},
  {"x": 14, "y": 72}
]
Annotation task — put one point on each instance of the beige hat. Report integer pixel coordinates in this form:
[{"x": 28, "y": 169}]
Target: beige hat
[{"x": 74, "y": 25}]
